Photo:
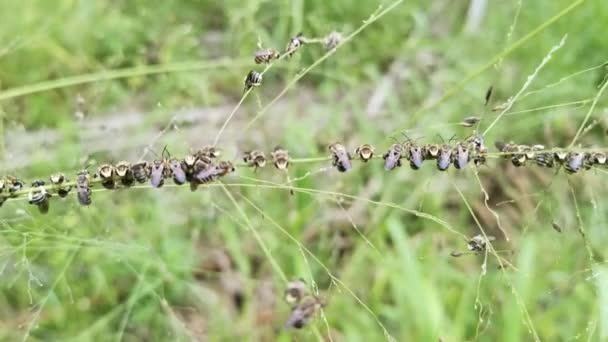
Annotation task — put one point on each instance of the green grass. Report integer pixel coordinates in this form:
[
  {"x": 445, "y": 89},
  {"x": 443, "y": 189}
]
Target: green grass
[{"x": 139, "y": 264}]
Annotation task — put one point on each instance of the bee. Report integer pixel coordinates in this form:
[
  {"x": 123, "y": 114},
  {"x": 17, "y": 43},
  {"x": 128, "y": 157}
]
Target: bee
[
  {"x": 209, "y": 152},
  {"x": 478, "y": 243},
  {"x": 392, "y": 158},
  {"x": 198, "y": 167},
  {"x": 141, "y": 171},
  {"x": 302, "y": 313},
  {"x": 188, "y": 165},
  {"x": 177, "y": 172},
  {"x": 106, "y": 173},
  {"x": 519, "y": 159},
  {"x": 83, "y": 187},
  {"x": 280, "y": 158},
  {"x": 294, "y": 44},
  {"x": 341, "y": 157},
  {"x": 266, "y": 56},
  {"x": 255, "y": 159},
  {"x": 57, "y": 180},
  {"x": 157, "y": 173},
  {"x": 253, "y": 79},
  {"x": 461, "y": 156},
  {"x": 574, "y": 161},
  {"x": 470, "y": 121},
  {"x": 444, "y": 157},
  {"x": 39, "y": 196},
  {"x": 506, "y": 148},
  {"x": 365, "y": 152},
  {"x": 13, "y": 184},
  {"x": 332, "y": 40},
  {"x": 124, "y": 172},
  {"x": 2, "y": 186},
  {"x": 295, "y": 291},
  {"x": 414, "y": 155},
  {"x": 213, "y": 172},
  {"x": 560, "y": 156},
  {"x": 544, "y": 159}
]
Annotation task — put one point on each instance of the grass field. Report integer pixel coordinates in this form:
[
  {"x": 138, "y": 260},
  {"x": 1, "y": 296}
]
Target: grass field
[{"x": 88, "y": 82}]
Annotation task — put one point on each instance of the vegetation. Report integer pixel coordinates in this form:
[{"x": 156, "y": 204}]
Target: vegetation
[{"x": 83, "y": 83}]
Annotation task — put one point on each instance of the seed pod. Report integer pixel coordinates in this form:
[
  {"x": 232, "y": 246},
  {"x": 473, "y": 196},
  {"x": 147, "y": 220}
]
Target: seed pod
[
  {"x": 392, "y": 158},
  {"x": 265, "y": 56},
  {"x": 470, "y": 121},
  {"x": 280, "y": 158},
  {"x": 574, "y": 161},
  {"x": 456, "y": 254},
  {"x": 83, "y": 188},
  {"x": 444, "y": 158},
  {"x": 255, "y": 159},
  {"x": 177, "y": 172},
  {"x": 141, "y": 171},
  {"x": 58, "y": 180},
  {"x": 124, "y": 173},
  {"x": 461, "y": 156},
  {"x": 253, "y": 79},
  {"x": 341, "y": 157},
  {"x": 106, "y": 174},
  {"x": 365, "y": 152},
  {"x": 556, "y": 227}
]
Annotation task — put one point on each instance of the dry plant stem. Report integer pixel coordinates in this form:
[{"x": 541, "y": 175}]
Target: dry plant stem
[
  {"x": 581, "y": 226},
  {"x": 122, "y": 73},
  {"x": 258, "y": 238},
  {"x": 456, "y": 88},
  {"x": 374, "y": 17},
  {"x": 485, "y": 201},
  {"x": 595, "y": 100},
  {"x": 501, "y": 262},
  {"x": 2, "y": 143},
  {"x": 527, "y": 83},
  {"x": 565, "y": 78},
  {"x": 320, "y": 263},
  {"x": 32, "y": 324}
]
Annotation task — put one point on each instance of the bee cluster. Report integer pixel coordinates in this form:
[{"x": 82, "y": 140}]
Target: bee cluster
[
  {"x": 572, "y": 161},
  {"x": 268, "y": 55},
  {"x": 203, "y": 166},
  {"x": 458, "y": 154},
  {"x": 198, "y": 168},
  {"x": 304, "y": 306}
]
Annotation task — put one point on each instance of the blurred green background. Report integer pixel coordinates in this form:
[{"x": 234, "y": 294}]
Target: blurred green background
[{"x": 172, "y": 264}]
